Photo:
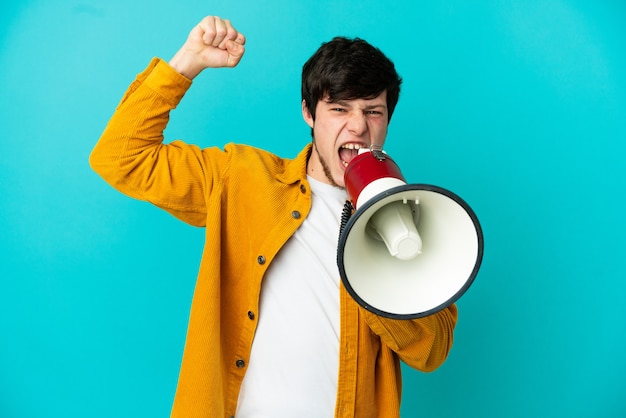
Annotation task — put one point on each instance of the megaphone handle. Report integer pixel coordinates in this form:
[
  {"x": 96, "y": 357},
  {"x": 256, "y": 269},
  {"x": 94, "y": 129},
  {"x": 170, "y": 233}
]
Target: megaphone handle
[{"x": 348, "y": 210}]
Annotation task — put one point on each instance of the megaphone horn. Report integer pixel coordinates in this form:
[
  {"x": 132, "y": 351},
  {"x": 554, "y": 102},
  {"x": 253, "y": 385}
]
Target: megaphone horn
[{"x": 405, "y": 250}]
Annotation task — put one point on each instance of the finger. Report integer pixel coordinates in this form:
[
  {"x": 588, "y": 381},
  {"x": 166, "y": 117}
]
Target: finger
[
  {"x": 207, "y": 26},
  {"x": 240, "y": 39},
  {"x": 213, "y": 30},
  {"x": 235, "y": 52},
  {"x": 221, "y": 31},
  {"x": 231, "y": 34},
  {"x": 235, "y": 49}
]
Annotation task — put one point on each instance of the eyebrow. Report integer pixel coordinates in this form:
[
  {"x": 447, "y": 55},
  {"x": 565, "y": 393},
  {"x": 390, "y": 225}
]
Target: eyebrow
[{"x": 346, "y": 104}]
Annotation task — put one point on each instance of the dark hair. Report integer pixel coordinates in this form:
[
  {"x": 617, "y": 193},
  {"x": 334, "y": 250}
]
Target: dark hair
[{"x": 347, "y": 69}]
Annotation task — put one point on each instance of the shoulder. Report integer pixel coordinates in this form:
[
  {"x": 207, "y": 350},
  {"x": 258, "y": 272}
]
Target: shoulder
[{"x": 246, "y": 156}]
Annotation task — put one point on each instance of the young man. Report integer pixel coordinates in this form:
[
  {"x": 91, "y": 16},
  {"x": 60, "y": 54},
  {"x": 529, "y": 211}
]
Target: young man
[{"x": 272, "y": 332}]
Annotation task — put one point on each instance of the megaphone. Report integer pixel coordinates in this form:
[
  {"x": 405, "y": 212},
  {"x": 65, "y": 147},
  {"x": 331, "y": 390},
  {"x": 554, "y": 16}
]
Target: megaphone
[{"x": 405, "y": 251}]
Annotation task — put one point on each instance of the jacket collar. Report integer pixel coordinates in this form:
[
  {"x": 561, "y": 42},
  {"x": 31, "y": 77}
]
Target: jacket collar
[{"x": 295, "y": 170}]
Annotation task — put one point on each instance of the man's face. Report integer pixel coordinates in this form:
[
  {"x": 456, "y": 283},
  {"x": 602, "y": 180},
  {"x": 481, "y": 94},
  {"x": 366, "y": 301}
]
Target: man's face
[{"x": 340, "y": 128}]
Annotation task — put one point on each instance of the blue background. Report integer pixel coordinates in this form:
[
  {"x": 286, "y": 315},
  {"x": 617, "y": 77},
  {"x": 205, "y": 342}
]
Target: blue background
[{"x": 519, "y": 107}]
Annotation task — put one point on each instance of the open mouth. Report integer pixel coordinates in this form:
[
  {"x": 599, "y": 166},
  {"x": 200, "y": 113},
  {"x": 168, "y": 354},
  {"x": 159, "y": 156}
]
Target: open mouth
[{"x": 347, "y": 152}]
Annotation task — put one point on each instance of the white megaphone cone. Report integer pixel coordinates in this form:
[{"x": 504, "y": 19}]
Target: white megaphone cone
[{"x": 408, "y": 250}]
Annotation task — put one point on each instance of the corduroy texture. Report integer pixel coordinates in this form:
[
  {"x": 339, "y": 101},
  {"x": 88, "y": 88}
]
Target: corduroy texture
[{"x": 245, "y": 197}]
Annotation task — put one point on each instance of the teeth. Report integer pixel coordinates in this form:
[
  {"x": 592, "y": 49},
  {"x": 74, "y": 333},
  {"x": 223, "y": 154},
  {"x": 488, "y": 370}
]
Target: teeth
[{"x": 352, "y": 146}]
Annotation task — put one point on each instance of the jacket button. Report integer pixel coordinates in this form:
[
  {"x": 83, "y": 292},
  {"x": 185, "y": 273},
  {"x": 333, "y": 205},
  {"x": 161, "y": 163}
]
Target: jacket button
[
  {"x": 250, "y": 314},
  {"x": 303, "y": 188},
  {"x": 240, "y": 364},
  {"x": 295, "y": 214},
  {"x": 261, "y": 260}
]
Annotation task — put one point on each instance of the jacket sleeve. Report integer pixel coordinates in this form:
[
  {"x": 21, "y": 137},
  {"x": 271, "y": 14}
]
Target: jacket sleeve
[
  {"x": 422, "y": 343},
  {"x": 132, "y": 157}
]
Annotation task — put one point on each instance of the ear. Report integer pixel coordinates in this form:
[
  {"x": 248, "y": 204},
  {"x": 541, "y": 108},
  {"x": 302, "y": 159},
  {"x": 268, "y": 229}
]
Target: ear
[{"x": 308, "y": 118}]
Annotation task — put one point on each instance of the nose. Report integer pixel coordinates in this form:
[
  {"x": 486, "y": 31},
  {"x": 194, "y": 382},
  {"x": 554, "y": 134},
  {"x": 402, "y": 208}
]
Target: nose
[{"x": 357, "y": 123}]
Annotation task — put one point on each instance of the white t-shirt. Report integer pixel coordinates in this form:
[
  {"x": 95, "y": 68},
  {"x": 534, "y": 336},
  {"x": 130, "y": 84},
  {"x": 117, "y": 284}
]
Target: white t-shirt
[{"x": 294, "y": 363}]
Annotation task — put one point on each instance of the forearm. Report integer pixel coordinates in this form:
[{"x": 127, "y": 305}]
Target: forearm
[{"x": 422, "y": 343}]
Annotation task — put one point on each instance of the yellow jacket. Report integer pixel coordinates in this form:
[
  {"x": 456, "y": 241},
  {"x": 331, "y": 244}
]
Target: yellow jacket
[{"x": 250, "y": 202}]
